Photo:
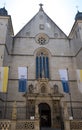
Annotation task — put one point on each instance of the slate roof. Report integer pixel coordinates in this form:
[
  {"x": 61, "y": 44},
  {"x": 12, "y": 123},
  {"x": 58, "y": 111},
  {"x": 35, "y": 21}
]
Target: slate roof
[
  {"x": 78, "y": 16},
  {"x": 3, "y": 12}
]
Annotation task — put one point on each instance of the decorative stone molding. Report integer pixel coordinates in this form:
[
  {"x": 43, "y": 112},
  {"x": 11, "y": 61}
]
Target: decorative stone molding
[
  {"x": 76, "y": 125},
  {"x": 23, "y": 125},
  {"x": 31, "y": 89},
  {"x": 5, "y": 125},
  {"x": 42, "y": 38}
]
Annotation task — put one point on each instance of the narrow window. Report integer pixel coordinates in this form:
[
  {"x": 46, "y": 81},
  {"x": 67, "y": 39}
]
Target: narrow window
[
  {"x": 42, "y": 66},
  {"x": 37, "y": 67}
]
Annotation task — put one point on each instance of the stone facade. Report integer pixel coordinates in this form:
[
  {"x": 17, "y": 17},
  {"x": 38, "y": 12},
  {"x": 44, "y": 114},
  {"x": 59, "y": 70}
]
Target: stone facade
[{"x": 41, "y": 35}]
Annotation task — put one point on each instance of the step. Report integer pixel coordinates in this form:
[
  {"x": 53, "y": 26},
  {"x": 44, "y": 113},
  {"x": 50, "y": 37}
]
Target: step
[{"x": 47, "y": 128}]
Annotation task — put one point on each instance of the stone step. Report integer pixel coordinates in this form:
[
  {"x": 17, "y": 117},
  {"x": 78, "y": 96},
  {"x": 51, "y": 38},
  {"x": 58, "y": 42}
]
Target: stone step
[{"x": 47, "y": 128}]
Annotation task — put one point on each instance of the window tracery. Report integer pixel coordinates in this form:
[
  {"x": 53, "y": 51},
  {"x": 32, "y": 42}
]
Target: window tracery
[{"x": 42, "y": 65}]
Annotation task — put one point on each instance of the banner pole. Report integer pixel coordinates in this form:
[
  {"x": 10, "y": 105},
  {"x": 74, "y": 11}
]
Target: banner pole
[
  {"x": 71, "y": 108},
  {"x": 5, "y": 106},
  {"x": 27, "y": 94},
  {"x": 71, "y": 105}
]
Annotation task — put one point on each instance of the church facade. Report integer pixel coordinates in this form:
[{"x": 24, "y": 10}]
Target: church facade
[{"x": 43, "y": 48}]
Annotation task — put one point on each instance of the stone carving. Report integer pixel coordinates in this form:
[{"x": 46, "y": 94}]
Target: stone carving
[
  {"x": 76, "y": 125},
  {"x": 25, "y": 125},
  {"x": 42, "y": 38},
  {"x": 56, "y": 88},
  {"x": 31, "y": 89},
  {"x": 5, "y": 125}
]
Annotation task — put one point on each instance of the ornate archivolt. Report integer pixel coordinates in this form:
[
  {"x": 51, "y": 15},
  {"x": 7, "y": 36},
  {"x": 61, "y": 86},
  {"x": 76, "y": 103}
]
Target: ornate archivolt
[{"x": 42, "y": 86}]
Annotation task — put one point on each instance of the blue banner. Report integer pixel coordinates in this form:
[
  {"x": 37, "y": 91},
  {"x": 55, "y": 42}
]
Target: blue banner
[
  {"x": 22, "y": 85},
  {"x": 22, "y": 75},
  {"x": 64, "y": 79},
  {"x": 65, "y": 86}
]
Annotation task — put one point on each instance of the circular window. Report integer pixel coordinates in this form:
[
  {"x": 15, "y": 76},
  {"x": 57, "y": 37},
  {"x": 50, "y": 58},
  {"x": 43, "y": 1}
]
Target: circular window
[{"x": 42, "y": 39}]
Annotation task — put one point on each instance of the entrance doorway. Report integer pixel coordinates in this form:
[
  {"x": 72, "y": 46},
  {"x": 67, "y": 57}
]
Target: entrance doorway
[{"x": 45, "y": 115}]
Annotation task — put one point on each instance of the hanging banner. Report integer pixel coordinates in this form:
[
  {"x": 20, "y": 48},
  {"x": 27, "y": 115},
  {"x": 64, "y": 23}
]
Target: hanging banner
[
  {"x": 79, "y": 79},
  {"x": 22, "y": 76},
  {"x": 64, "y": 80},
  {"x": 3, "y": 79}
]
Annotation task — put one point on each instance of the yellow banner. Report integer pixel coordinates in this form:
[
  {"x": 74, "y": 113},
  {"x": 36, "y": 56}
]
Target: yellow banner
[
  {"x": 80, "y": 75},
  {"x": 3, "y": 79}
]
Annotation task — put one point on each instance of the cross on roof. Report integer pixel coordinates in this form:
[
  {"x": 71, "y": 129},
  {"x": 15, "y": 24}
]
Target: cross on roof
[{"x": 41, "y": 6}]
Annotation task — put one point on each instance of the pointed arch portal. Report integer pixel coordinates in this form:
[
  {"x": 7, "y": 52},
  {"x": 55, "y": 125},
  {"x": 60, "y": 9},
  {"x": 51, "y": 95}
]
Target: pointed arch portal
[{"x": 45, "y": 115}]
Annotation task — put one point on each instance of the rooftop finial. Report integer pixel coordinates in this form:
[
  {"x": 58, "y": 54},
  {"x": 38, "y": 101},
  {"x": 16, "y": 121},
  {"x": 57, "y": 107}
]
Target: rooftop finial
[
  {"x": 77, "y": 8},
  {"x": 3, "y": 12},
  {"x": 4, "y": 5},
  {"x": 41, "y": 6}
]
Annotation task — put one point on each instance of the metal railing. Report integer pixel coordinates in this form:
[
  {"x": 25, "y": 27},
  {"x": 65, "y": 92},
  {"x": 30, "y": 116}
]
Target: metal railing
[
  {"x": 77, "y": 113},
  {"x": 22, "y": 113}
]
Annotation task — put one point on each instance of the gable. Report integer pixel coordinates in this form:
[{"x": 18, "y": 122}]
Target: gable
[{"x": 41, "y": 23}]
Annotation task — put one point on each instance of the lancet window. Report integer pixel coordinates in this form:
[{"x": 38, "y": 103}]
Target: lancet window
[{"x": 42, "y": 66}]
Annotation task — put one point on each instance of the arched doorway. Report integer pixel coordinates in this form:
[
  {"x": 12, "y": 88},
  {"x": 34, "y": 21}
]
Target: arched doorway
[{"x": 45, "y": 115}]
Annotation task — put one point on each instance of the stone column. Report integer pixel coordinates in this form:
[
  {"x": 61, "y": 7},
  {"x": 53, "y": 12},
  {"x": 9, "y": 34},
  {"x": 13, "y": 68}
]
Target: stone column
[
  {"x": 13, "y": 125},
  {"x": 36, "y": 112},
  {"x": 66, "y": 117},
  {"x": 37, "y": 126},
  {"x": 37, "y": 123},
  {"x": 14, "y": 111},
  {"x": 14, "y": 116}
]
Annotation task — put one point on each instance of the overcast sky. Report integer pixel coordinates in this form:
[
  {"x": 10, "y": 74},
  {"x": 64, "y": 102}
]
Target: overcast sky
[{"x": 62, "y": 12}]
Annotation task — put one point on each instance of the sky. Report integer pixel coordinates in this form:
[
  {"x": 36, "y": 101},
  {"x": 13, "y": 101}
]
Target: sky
[{"x": 62, "y": 12}]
